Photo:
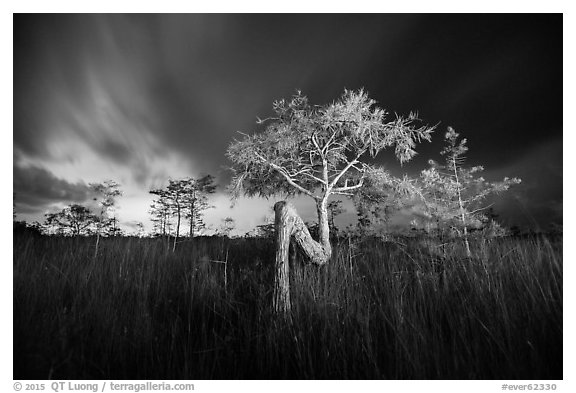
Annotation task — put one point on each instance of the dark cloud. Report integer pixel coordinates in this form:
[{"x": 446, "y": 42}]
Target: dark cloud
[
  {"x": 538, "y": 201},
  {"x": 36, "y": 189},
  {"x": 163, "y": 95}
]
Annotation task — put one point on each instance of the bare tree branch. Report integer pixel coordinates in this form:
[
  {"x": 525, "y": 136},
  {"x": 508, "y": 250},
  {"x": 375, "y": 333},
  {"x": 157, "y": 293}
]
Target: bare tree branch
[
  {"x": 343, "y": 193},
  {"x": 349, "y": 188},
  {"x": 480, "y": 209},
  {"x": 315, "y": 142},
  {"x": 350, "y": 164},
  {"x": 314, "y": 177},
  {"x": 289, "y": 179}
]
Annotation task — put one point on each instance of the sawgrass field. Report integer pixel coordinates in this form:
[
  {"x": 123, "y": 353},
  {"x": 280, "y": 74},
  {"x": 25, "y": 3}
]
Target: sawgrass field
[{"x": 402, "y": 309}]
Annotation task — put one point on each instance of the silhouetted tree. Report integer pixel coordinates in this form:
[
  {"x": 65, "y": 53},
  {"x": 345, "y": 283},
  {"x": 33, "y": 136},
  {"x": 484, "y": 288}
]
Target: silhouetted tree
[
  {"x": 106, "y": 194},
  {"x": 183, "y": 198},
  {"x": 75, "y": 220},
  {"x": 176, "y": 196},
  {"x": 170, "y": 202},
  {"x": 111, "y": 227},
  {"x": 196, "y": 193},
  {"x": 160, "y": 212}
]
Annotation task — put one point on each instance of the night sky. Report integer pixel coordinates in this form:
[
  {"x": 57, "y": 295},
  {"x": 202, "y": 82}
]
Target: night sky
[{"x": 144, "y": 98}]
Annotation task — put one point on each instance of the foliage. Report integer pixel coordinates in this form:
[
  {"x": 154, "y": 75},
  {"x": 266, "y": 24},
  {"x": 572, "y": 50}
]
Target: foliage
[
  {"x": 453, "y": 195},
  {"x": 306, "y": 148},
  {"x": 106, "y": 194},
  {"x": 334, "y": 209},
  {"x": 160, "y": 212},
  {"x": 112, "y": 228},
  {"x": 74, "y": 220},
  {"x": 263, "y": 231},
  {"x": 446, "y": 199},
  {"x": 381, "y": 197},
  {"x": 196, "y": 200},
  {"x": 140, "y": 230},
  {"x": 184, "y": 198},
  {"x": 320, "y": 151},
  {"x": 228, "y": 225},
  {"x": 23, "y": 228}
]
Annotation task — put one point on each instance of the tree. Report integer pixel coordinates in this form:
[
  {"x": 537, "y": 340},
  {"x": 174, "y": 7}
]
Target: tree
[
  {"x": 381, "y": 196},
  {"x": 75, "y": 220},
  {"x": 452, "y": 194},
  {"x": 228, "y": 225},
  {"x": 196, "y": 201},
  {"x": 52, "y": 225},
  {"x": 374, "y": 208},
  {"x": 183, "y": 198},
  {"x": 318, "y": 151},
  {"x": 170, "y": 202},
  {"x": 111, "y": 227},
  {"x": 106, "y": 194},
  {"x": 490, "y": 226},
  {"x": 176, "y": 196},
  {"x": 140, "y": 232},
  {"x": 160, "y": 211}
]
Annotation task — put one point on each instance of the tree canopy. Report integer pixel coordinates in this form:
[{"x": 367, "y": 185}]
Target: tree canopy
[
  {"x": 319, "y": 150},
  {"x": 183, "y": 198},
  {"x": 74, "y": 220}
]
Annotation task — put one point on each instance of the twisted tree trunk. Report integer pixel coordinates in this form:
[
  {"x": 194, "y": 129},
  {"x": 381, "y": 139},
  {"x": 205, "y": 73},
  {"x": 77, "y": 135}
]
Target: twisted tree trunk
[
  {"x": 289, "y": 224},
  {"x": 324, "y": 227},
  {"x": 284, "y": 228}
]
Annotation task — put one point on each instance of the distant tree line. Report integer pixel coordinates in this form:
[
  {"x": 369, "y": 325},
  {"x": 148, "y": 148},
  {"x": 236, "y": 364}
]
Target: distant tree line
[
  {"x": 79, "y": 220},
  {"x": 183, "y": 200}
]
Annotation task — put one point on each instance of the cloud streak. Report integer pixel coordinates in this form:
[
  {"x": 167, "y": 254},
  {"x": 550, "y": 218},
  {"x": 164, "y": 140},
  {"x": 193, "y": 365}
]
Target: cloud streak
[
  {"x": 36, "y": 189},
  {"x": 144, "y": 98}
]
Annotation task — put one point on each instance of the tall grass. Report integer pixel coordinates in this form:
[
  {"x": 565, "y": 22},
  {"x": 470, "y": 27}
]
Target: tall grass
[{"x": 379, "y": 310}]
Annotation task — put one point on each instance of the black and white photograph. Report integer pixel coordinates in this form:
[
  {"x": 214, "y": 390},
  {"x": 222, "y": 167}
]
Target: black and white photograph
[{"x": 288, "y": 196}]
